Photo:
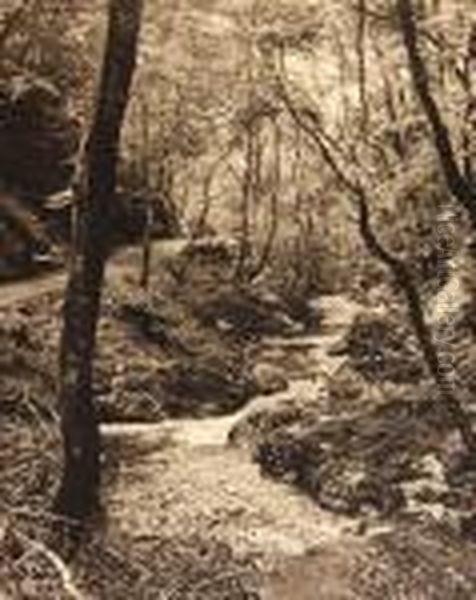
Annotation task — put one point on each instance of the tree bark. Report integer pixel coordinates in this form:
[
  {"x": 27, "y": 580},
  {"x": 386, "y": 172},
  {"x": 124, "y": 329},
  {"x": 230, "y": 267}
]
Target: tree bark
[{"x": 78, "y": 494}]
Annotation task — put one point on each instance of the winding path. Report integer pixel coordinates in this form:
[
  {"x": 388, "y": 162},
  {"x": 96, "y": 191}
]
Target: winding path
[
  {"x": 125, "y": 261},
  {"x": 181, "y": 477}
]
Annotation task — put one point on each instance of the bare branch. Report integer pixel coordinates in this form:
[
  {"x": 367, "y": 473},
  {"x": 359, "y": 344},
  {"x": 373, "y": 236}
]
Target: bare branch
[
  {"x": 402, "y": 277},
  {"x": 455, "y": 180},
  {"x": 405, "y": 282}
]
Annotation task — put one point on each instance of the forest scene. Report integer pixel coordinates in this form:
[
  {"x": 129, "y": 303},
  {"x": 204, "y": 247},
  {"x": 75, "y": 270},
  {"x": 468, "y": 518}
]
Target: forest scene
[{"x": 237, "y": 300}]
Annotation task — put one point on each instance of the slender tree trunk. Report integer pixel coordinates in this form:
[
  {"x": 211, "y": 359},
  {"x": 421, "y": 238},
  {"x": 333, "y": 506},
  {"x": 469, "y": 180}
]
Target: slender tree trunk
[
  {"x": 147, "y": 245},
  {"x": 149, "y": 208},
  {"x": 245, "y": 252},
  {"x": 404, "y": 280},
  {"x": 267, "y": 251},
  {"x": 362, "y": 65},
  {"x": 469, "y": 123},
  {"x": 78, "y": 493},
  {"x": 402, "y": 277},
  {"x": 456, "y": 181}
]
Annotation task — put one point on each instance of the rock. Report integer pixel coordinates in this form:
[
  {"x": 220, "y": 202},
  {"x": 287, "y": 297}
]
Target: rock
[
  {"x": 210, "y": 248},
  {"x": 382, "y": 349},
  {"x": 293, "y": 455},
  {"x": 347, "y": 487},
  {"x": 268, "y": 379},
  {"x": 246, "y": 313},
  {"x": 142, "y": 316},
  {"x": 352, "y": 463},
  {"x": 260, "y": 423},
  {"x": 129, "y": 218},
  {"x": 38, "y": 139},
  {"x": 194, "y": 387}
]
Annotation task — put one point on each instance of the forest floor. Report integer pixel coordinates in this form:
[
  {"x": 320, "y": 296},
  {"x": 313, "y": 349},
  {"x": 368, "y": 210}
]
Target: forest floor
[
  {"x": 303, "y": 474},
  {"x": 184, "y": 476}
]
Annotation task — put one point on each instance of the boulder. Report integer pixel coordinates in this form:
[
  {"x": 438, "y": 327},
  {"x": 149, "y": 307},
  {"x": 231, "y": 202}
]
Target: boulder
[
  {"x": 268, "y": 379},
  {"x": 382, "y": 348},
  {"x": 39, "y": 140}
]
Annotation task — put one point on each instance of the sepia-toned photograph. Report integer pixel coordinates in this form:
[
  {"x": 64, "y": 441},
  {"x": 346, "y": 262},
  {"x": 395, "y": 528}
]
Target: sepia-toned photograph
[{"x": 237, "y": 299}]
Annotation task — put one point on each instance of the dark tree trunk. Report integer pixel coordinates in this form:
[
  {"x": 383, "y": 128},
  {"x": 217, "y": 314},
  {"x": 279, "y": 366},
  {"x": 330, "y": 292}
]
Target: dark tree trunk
[
  {"x": 403, "y": 280},
  {"x": 149, "y": 208},
  {"x": 456, "y": 181},
  {"x": 78, "y": 494},
  {"x": 147, "y": 246}
]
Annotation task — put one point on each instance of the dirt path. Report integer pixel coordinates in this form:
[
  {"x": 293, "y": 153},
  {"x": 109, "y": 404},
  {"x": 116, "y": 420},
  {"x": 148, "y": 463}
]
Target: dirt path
[
  {"x": 183, "y": 479},
  {"x": 182, "y": 490},
  {"x": 126, "y": 261},
  {"x": 21, "y": 291}
]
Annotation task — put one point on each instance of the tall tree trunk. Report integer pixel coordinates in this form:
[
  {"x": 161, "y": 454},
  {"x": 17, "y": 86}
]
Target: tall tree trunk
[
  {"x": 402, "y": 277},
  {"x": 456, "y": 181},
  {"x": 245, "y": 251},
  {"x": 404, "y": 280},
  {"x": 78, "y": 494},
  {"x": 267, "y": 250},
  {"x": 362, "y": 65},
  {"x": 145, "y": 184}
]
